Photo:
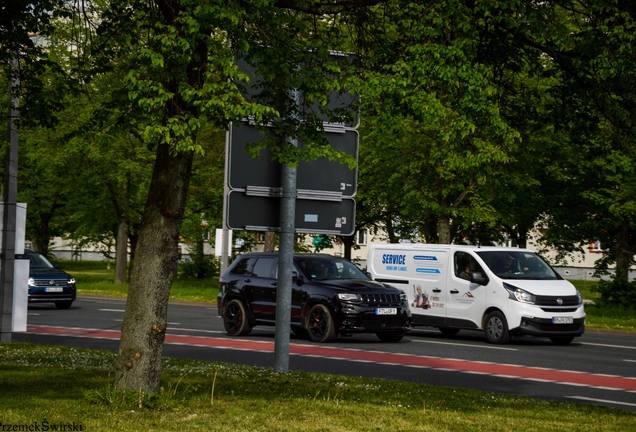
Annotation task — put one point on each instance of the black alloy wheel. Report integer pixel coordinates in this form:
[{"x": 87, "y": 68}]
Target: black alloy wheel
[
  {"x": 320, "y": 324},
  {"x": 235, "y": 319}
]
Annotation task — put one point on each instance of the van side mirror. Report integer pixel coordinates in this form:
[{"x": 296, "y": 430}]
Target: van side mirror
[{"x": 478, "y": 278}]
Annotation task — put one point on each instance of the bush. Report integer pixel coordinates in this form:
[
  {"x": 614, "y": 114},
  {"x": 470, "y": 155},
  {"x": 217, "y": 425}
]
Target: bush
[
  {"x": 202, "y": 268},
  {"x": 618, "y": 292}
]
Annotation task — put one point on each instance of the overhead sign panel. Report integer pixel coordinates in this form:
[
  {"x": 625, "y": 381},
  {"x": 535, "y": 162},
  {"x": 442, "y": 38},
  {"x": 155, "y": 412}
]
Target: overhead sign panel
[
  {"x": 259, "y": 213},
  {"x": 320, "y": 174},
  {"x": 344, "y": 101}
]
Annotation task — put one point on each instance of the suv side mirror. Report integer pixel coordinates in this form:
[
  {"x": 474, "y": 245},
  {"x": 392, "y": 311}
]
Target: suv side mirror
[
  {"x": 297, "y": 278},
  {"x": 478, "y": 278}
]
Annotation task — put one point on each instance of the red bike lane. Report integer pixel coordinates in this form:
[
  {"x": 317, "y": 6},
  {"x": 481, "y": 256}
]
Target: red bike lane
[{"x": 610, "y": 382}]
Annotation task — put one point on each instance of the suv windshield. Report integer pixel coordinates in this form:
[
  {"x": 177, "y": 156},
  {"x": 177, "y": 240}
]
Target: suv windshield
[
  {"x": 518, "y": 265},
  {"x": 324, "y": 268},
  {"x": 38, "y": 261}
]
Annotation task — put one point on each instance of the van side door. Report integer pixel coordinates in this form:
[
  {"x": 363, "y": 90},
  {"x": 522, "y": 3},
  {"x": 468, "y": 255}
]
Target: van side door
[
  {"x": 428, "y": 289},
  {"x": 466, "y": 299}
]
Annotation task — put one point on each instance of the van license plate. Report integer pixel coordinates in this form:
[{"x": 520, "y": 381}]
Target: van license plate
[
  {"x": 385, "y": 311},
  {"x": 562, "y": 320},
  {"x": 54, "y": 289}
]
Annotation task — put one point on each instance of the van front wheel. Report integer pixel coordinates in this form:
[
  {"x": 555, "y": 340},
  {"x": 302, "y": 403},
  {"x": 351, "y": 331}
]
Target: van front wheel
[{"x": 496, "y": 328}]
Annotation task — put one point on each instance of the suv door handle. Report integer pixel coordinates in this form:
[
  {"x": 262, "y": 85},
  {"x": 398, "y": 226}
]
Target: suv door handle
[
  {"x": 454, "y": 291},
  {"x": 248, "y": 280},
  {"x": 437, "y": 290},
  {"x": 274, "y": 284}
]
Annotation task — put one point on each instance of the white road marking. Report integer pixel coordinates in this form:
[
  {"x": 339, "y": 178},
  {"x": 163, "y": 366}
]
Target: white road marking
[
  {"x": 195, "y": 330},
  {"x": 111, "y": 310},
  {"x": 633, "y": 361},
  {"x": 609, "y": 346},
  {"x": 465, "y": 345},
  {"x": 601, "y": 400}
]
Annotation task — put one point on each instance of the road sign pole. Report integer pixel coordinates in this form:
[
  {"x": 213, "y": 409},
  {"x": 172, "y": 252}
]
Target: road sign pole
[
  {"x": 285, "y": 269},
  {"x": 9, "y": 216},
  {"x": 224, "y": 237}
]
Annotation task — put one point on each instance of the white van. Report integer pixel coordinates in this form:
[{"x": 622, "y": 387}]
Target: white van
[{"x": 503, "y": 291}]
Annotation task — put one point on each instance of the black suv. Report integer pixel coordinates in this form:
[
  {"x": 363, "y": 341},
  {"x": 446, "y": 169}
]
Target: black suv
[{"x": 330, "y": 297}]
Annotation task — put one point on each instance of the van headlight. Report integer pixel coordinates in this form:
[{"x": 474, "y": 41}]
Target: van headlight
[
  {"x": 579, "y": 297},
  {"x": 518, "y": 294},
  {"x": 349, "y": 297}
]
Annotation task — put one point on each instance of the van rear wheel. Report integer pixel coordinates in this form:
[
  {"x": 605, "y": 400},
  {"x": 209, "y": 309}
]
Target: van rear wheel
[{"x": 496, "y": 328}]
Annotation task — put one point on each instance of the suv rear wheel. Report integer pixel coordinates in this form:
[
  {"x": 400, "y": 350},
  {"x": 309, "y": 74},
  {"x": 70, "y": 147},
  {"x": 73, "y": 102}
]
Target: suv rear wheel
[
  {"x": 235, "y": 319},
  {"x": 320, "y": 324}
]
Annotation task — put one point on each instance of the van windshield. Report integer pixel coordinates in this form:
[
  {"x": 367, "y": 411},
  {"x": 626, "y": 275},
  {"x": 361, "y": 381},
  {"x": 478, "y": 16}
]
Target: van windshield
[{"x": 518, "y": 265}]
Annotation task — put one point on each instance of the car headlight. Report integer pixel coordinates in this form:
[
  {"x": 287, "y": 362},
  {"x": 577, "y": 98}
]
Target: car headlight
[
  {"x": 349, "y": 297},
  {"x": 71, "y": 281},
  {"x": 518, "y": 294},
  {"x": 31, "y": 282},
  {"x": 403, "y": 297}
]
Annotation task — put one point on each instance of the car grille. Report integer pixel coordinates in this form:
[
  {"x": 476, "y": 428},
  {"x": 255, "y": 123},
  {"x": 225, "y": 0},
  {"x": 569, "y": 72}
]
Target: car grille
[
  {"x": 381, "y": 299},
  {"x": 552, "y": 301},
  {"x": 50, "y": 282}
]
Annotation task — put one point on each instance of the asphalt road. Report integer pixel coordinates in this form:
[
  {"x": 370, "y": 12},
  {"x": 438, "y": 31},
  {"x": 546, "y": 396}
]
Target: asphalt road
[{"x": 598, "y": 368}]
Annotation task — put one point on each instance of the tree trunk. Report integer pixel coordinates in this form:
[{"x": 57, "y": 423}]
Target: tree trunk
[
  {"x": 123, "y": 228},
  {"x": 138, "y": 364},
  {"x": 624, "y": 255},
  {"x": 121, "y": 251},
  {"x": 270, "y": 241},
  {"x": 443, "y": 230},
  {"x": 348, "y": 242}
]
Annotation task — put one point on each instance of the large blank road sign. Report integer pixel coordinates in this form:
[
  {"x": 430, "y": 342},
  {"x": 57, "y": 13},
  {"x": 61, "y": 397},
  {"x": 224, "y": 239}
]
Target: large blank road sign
[
  {"x": 319, "y": 175},
  {"x": 256, "y": 213},
  {"x": 255, "y": 91}
]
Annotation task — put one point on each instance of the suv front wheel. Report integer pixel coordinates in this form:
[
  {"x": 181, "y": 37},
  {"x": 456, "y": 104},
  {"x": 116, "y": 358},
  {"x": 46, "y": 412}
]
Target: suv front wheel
[{"x": 320, "y": 324}]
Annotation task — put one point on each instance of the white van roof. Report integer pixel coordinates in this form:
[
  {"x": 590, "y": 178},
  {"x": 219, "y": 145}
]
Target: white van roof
[{"x": 432, "y": 246}]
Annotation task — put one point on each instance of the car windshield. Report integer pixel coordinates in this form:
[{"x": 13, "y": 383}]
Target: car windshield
[
  {"x": 518, "y": 265},
  {"x": 38, "y": 261},
  {"x": 326, "y": 268}
]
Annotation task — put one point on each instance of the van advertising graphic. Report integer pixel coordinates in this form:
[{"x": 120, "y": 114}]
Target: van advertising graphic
[
  {"x": 428, "y": 270},
  {"x": 394, "y": 262},
  {"x": 466, "y": 298},
  {"x": 421, "y": 298}
]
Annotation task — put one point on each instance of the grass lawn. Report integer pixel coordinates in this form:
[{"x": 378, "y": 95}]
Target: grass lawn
[
  {"x": 66, "y": 386},
  {"x": 94, "y": 277}
]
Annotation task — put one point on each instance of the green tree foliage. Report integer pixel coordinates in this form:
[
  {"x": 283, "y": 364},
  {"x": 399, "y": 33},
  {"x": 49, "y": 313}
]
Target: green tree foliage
[{"x": 434, "y": 134}]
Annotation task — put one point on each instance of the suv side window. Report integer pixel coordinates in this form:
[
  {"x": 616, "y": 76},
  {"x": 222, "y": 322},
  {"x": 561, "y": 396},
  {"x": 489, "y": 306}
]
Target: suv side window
[
  {"x": 263, "y": 267},
  {"x": 244, "y": 267}
]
